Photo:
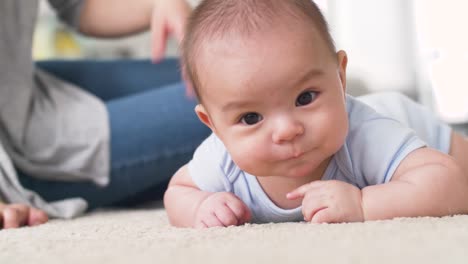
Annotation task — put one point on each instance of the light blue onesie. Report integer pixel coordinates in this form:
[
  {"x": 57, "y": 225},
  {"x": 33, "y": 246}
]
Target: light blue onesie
[{"x": 374, "y": 147}]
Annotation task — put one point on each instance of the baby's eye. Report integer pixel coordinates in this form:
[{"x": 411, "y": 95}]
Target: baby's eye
[
  {"x": 251, "y": 118},
  {"x": 305, "y": 98}
]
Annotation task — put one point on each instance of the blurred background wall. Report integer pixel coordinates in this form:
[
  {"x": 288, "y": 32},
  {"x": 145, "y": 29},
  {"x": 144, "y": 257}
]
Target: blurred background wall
[{"x": 417, "y": 47}]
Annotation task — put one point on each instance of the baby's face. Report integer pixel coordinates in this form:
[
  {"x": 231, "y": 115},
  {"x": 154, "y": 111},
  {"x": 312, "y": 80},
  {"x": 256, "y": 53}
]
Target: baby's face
[{"x": 277, "y": 101}]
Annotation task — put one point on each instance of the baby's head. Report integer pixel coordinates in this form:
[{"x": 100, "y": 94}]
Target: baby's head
[{"x": 270, "y": 83}]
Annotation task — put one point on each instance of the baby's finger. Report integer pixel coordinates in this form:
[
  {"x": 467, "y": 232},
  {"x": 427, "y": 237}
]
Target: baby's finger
[
  {"x": 241, "y": 211},
  {"x": 323, "y": 216},
  {"x": 212, "y": 221},
  {"x": 247, "y": 215},
  {"x": 309, "y": 214},
  {"x": 301, "y": 191},
  {"x": 200, "y": 225},
  {"x": 311, "y": 205},
  {"x": 226, "y": 216}
]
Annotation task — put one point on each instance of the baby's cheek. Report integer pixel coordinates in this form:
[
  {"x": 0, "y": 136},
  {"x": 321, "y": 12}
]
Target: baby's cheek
[{"x": 250, "y": 159}]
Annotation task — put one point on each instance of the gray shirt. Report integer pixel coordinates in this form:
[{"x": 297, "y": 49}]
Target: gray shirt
[{"x": 50, "y": 129}]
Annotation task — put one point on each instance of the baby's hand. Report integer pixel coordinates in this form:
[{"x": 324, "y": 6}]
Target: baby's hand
[
  {"x": 329, "y": 202},
  {"x": 222, "y": 209}
]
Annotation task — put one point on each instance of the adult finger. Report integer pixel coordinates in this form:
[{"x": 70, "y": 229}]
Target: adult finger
[
  {"x": 189, "y": 91},
  {"x": 159, "y": 34},
  {"x": 14, "y": 217},
  {"x": 179, "y": 21},
  {"x": 2, "y": 206},
  {"x": 37, "y": 217}
]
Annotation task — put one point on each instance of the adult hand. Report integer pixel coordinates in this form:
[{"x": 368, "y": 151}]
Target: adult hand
[
  {"x": 17, "y": 215},
  {"x": 329, "y": 202},
  {"x": 169, "y": 18},
  {"x": 222, "y": 209}
]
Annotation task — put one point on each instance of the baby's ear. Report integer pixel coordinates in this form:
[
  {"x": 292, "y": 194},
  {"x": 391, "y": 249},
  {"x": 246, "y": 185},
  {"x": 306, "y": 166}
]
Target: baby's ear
[
  {"x": 342, "y": 64},
  {"x": 203, "y": 116}
]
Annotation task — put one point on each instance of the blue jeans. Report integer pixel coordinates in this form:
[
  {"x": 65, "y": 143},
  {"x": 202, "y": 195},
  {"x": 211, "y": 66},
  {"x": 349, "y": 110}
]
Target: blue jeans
[{"x": 154, "y": 129}]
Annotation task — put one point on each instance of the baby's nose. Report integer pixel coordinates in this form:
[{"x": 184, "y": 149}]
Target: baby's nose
[{"x": 287, "y": 130}]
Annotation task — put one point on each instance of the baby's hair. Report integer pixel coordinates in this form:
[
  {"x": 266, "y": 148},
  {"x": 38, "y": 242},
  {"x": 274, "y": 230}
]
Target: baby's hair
[{"x": 218, "y": 18}]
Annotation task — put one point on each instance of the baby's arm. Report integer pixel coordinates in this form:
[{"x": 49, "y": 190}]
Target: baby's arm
[
  {"x": 188, "y": 206},
  {"x": 426, "y": 183}
]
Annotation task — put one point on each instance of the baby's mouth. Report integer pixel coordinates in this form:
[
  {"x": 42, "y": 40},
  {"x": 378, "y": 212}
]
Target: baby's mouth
[
  {"x": 294, "y": 152},
  {"x": 295, "y": 155},
  {"x": 298, "y": 154}
]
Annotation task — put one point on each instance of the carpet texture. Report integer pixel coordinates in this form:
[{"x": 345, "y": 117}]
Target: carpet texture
[{"x": 144, "y": 236}]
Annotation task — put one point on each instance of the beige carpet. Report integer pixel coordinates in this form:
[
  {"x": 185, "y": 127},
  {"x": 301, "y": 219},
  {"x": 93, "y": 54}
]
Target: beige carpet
[{"x": 144, "y": 236}]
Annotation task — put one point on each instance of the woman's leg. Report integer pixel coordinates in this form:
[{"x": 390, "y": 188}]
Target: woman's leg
[
  {"x": 153, "y": 133},
  {"x": 114, "y": 78}
]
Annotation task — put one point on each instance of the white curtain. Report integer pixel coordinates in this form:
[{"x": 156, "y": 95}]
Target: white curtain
[
  {"x": 379, "y": 37},
  {"x": 417, "y": 47}
]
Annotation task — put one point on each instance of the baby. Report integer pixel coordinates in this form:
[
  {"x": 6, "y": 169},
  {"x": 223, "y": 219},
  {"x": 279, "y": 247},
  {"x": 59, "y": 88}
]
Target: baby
[{"x": 288, "y": 143}]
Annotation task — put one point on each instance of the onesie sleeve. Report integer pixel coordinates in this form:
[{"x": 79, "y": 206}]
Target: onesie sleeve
[
  {"x": 209, "y": 166},
  {"x": 68, "y": 11},
  {"x": 377, "y": 147}
]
